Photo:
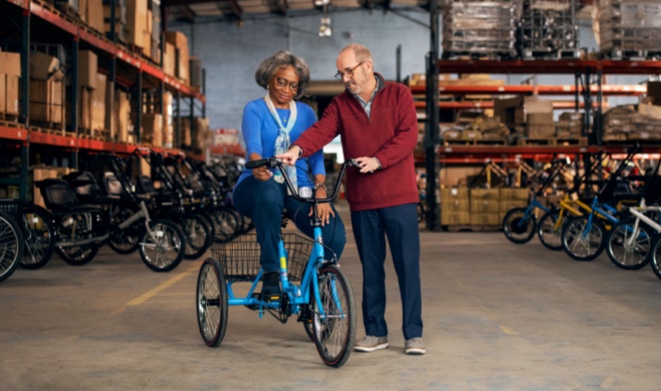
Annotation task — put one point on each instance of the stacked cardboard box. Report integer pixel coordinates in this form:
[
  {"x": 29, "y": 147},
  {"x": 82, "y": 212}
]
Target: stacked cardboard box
[
  {"x": 629, "y": 123},
  {"x": 168, "y": 128},
  {"x": 528, "y": 115},
  {"x": 120, "y": 18},
  {"x": 629, "y": 26},
  {"x": 88, "y": 81},
  {"x": 180, "y": 43},
  {"x": 47, "y": 93},
  {"x": 511, "y": 198},
  {"x": 10, "y": 76},
  {"x": 455, "y": 206},
  {"x": 122, "y": 116},
  {"x": 485, "y": 206},
  {"x": 152, "y": 129},
  {"x": 570, "y": 125}
]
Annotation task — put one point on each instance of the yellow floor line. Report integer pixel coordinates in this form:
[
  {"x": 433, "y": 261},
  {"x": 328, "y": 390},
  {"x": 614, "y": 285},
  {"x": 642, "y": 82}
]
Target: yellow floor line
[{"x": 159, "y": 288}]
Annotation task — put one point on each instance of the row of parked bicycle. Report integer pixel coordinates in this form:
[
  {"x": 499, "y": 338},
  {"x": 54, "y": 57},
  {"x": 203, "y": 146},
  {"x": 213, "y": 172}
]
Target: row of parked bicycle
[
  {"x": 177, "y": 212},
  {"x": 622, "y": 217}
]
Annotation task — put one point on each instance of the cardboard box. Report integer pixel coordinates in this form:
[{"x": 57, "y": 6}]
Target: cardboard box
[
  {"x": 44, "y": 67},
  {"x": 47, "y": 101},
  {"x": 485, "y": 194},
  {"x": 507, "y": 194},
  {"x": 95, "y": 14},
  {"x": 540, "y": 125},
  {"x": 136, "y": 22},
  {"x": 87, "y": 69},
  {"x": 456, "y": 205},
  {"x": 484, "y": 206},
  {"x": 455, "y": 218},
  {"x": 12, "y": 94},
  {"x": 485, "y": 219},
  {"x": 180, "y": 41},
  {"x": 99, "y": 103},
  {"x": 507, "y": 205},
  {"x": 10, "y": 63},
  {"x": 195, "y": 66},
  {"x": 3, "y": 93},
  {"x": 152, "y": 129},
  {"x": 123, "y": 110},
  {"x": 169, "y": 58}
]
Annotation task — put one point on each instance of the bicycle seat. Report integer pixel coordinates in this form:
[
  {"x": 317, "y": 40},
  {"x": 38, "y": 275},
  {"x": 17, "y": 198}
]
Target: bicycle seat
[{"x": 59, "y": 197}]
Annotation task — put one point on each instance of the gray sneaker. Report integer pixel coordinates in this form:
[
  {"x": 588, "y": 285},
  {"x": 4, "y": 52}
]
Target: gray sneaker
[
  {"x": 415, "y": 346},
  {"x": 371, "y": 344}
]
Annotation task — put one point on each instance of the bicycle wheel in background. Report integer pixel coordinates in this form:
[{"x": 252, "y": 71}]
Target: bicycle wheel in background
[
  {"x": 226, "y": 224},
  {"x": 164, "y": 249},
  {"x": 629, "y": 248},
  {"x": 334, "y": 324},
  {"x": 583, "y": 241},
  {"x": 197, "y": 233},
  {"x": 519, "y": 226},
  {"x": 11, "y": 246},
  {"x": 124, "y": 241},
  {"x": 549, "y": 231},
  {"x": 211, "y": 303},
  {"x": 655, "y": 255},
  {"x": 39, "y": 237}
]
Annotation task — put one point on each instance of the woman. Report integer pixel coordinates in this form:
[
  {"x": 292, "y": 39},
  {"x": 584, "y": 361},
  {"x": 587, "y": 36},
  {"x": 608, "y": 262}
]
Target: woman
[{"x": 270, "y": 125}]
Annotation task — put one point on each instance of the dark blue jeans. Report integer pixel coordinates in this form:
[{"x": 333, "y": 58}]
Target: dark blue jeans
[
  {"x": 264, "y": 201},
  {"x": 400, "y": 225}
]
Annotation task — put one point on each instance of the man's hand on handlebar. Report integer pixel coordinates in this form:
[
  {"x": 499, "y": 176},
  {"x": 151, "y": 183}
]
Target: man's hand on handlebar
[{"x": 291, "y": 156}]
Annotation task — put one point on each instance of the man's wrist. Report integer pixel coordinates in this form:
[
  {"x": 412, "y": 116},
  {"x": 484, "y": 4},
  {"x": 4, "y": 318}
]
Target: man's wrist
[
  {"x": 300, "y": 151},
  {"x": 378, "y": 162}
]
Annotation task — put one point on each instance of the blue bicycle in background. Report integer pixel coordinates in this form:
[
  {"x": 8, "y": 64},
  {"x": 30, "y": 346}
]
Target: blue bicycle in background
[{"x": 313, "y": 288}]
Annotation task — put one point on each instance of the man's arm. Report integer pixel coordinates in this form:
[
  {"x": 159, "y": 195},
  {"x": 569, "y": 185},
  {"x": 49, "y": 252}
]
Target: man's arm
[{"x": 406, "y": 132}]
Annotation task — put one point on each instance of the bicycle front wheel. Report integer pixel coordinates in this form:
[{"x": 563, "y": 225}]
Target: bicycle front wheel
[
  {"x": 11, "y": 246},
  {"x": 549, "y": 230},
  {"x": 334, "y": 316},
  {"x": 39, "y": 237},
  {"x": 163, "y": 249},
  {"x": 628, "y": 246},
  {"x": 211, "y": 303},
  {"x": 198, "y": 235},
  {"x": 583, "y": 240},
  {"x": 519, "y": 226}
]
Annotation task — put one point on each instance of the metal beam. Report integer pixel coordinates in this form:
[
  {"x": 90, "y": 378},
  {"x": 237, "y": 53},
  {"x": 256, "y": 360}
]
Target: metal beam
[
  {"x": 189, "y": 15},
  {"x": 236, "y": 8}
]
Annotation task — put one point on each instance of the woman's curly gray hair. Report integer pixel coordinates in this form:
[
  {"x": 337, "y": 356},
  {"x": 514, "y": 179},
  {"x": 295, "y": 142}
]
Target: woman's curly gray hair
[{"x": 283, "y": 59}]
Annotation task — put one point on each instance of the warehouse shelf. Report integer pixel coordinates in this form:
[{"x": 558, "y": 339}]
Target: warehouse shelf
[
  {"x": 607, "y": 90},
  {"x": 549, "y": 66},
  {"x": 488, "y": 104}
]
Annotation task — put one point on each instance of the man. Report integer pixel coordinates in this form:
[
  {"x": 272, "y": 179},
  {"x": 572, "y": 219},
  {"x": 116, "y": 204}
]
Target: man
[{"x": 378, "y": 128}]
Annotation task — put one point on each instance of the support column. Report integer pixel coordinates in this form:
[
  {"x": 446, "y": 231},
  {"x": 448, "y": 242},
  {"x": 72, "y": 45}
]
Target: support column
[{"x": 432, "y": 133}]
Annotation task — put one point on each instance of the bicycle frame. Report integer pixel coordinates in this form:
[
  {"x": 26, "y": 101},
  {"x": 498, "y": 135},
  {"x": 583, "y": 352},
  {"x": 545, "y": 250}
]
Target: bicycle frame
[{"x": 298, "y": 295}]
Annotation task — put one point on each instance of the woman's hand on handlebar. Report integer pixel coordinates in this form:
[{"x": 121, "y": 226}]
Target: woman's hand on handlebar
[
  {"x": 291, "y": 156},
  {"x": 260, "y": 173}
]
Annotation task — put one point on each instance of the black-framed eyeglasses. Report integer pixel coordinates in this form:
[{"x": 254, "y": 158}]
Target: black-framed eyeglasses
[
  {"x": 347, "y": 72},
  {"x": 282, "y": 83}
]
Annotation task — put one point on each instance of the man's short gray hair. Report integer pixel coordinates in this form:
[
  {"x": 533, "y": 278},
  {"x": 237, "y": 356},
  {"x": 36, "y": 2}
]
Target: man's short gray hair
[
  {"x": 283, "y": 59},
  {"x": 361, "y": 52}
]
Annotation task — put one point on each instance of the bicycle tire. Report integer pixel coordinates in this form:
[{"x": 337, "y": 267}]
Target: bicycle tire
[
  {"x": 582, "y": 245},
  {"x": 39, "y": 237},
  {"x": 211, "y": 302},
  {"x": 197, "y": 234},
  {"x": 629, "y": 256},
  {"x": 74, "y": 228},
  {"x": 11, "y": 246},
  {"x": 78, "y": 255},
  {"x": 125, "y": 241},
  {"x": 549, "y": 235},
  {"x": 335, "y": 331},
  {"x": 518, "y": 226},
  {"x": 655, "y": 255},
  {"x": 168, "y": 242},
  {"x": 226, "y": 224}
]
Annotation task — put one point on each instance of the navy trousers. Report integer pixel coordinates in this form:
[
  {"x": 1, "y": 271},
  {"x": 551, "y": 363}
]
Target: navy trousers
[
  {"x": 400, "y": 225},
  {"x": 264, "y": 201}
]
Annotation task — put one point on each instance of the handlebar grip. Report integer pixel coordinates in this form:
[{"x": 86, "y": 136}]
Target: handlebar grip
[{"x": 258, "y": 163}]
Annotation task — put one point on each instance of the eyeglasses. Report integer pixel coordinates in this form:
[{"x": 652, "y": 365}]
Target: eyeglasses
[
  {"x": 282, "y": 83},
  {"x": 348, "y": 72}
]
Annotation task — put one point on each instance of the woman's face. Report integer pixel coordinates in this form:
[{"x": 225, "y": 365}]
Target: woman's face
[{"x": 283, "y": 86}]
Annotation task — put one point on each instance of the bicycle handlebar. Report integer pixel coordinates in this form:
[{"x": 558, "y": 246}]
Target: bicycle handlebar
[{"x": 273, "y": 162}]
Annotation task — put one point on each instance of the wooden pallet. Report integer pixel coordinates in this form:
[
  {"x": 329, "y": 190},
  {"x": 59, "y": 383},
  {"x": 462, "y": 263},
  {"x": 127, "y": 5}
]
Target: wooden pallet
[
  {"x": 475, "y": 142},
  {"x": 11, "y": 124},
  {"x": 580, "y": 141}
]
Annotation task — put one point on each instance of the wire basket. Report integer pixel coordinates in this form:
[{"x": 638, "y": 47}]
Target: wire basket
[
  {"x": 240, "y": 257},
  {"x": 11, "y": 207}
]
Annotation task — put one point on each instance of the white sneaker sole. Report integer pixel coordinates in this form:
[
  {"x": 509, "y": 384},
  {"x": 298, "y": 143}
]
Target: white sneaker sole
[
  {"x": 415, "y": 351},
  {"x": 368, "y": 349}
]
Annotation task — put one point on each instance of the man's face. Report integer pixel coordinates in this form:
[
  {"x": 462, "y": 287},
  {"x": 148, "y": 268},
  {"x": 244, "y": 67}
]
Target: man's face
[{"x": 355, "y": 74}]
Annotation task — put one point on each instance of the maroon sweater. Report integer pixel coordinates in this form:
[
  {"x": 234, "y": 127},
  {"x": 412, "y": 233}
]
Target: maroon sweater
[{"x": 389, "y": 135}]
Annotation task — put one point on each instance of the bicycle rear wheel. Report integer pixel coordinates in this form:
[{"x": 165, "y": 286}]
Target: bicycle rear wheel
[
  {"x": 583, "y": 241},
  {"x": 629, "y": 248},
  {"x": 11, "y": 246},
  {"x": 549, "y": 231},
  {"x": 519, "y": 226},
  {"x": 211, "y": 303},
  {"x": 334, "y": 324},
  {"x": 164, "y": 250},
  {"x": 197, "y": 233}
]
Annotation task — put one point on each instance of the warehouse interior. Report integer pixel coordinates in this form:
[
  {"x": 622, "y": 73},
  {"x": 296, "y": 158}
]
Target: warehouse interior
[{"x": 539, "y": 145}]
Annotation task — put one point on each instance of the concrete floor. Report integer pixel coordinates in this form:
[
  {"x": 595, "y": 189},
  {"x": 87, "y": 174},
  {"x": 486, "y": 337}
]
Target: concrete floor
[{"x": 498, "y": 316}]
